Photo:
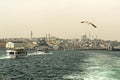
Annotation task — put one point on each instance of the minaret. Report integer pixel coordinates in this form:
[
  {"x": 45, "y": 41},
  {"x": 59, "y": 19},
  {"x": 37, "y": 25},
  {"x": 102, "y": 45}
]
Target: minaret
[
  {"x": 96, "y": 36},
  {"x": 49, "y": 36},
  {"x": 89, "y": 35},
  {"x": 46, "y": 37},
  {"x": 31, "y": 35}
]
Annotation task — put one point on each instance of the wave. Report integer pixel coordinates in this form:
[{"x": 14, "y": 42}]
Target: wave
[
  {"x": 100, "y": 67},
  {"x": 38, "y": 53},
  {"x": 5, "y": 57}
]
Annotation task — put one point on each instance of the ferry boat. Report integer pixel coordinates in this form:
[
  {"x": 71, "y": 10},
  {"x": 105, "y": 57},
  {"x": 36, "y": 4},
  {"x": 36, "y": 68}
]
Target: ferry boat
[
  {"x": 15, "y": 49},
  {"x": 42, "y": 51},
  {"x": 17, "y": 53}
]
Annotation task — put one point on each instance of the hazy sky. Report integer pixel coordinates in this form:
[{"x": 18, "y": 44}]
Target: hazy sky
[{"x": 60, "y": 18}]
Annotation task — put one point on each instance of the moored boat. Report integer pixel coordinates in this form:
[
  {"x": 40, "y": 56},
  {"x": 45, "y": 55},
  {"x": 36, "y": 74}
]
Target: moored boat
[{"x": 111, "y": 48}]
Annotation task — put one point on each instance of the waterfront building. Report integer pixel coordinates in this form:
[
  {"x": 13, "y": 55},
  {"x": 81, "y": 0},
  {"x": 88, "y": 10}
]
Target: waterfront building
[{"x": 13, "y": 45}]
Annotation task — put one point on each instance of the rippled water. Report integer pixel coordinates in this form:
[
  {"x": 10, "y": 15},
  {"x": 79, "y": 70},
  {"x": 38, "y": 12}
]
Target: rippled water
[{"x": 62, "y": 65}]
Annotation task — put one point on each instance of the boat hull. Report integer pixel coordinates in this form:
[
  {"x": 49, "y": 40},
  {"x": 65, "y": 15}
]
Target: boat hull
[
  {"x": 16, "y": 53},
  {"x": 16, "y": 56}
]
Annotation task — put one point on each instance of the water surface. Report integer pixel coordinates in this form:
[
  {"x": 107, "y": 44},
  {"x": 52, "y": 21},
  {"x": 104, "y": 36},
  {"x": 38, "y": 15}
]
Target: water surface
[{"x": 62, "y": 65}]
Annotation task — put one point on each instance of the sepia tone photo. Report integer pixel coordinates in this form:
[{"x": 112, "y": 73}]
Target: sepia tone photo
[{"x": 59, "y": 39}]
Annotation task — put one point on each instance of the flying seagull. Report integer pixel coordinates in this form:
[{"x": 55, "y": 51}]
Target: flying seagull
[{"x": 89, "y": 23}]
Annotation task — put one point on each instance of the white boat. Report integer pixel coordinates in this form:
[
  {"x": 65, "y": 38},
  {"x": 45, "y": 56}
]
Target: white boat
[
  {"x": 41, "y": 52},
  {"x": 16, "y": 53}
]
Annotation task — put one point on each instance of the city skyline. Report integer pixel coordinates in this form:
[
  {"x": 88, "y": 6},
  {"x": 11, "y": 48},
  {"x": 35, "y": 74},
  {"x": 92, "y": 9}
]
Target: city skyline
[{"x": 61, "y": 18}]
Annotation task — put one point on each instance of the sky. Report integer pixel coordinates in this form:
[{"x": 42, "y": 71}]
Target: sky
[{"x": 60, "y": 18}]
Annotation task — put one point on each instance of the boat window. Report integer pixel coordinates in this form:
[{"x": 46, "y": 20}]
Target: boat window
[
  {"x": 11, "y": 53},
  {"x": 39, "y": 50}
]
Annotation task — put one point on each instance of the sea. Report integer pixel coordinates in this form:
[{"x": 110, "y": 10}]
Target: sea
[{"x": 62, "y": 65}]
